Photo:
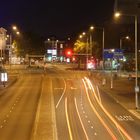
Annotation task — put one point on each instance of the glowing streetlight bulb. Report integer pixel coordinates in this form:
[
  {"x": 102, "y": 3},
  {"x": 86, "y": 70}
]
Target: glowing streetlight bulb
[
  {"x": 91, "y": 28},
  {"x": 117, "y": 14},
  {"x": 84, "y": 33},
  {"x": 80, "y": 36},
  {"x": 14, "y": 28},
  {"x": 17, "y": 33}
]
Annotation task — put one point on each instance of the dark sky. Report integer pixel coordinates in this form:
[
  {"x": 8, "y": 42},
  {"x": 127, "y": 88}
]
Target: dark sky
[{"x": 60, "y": 17}]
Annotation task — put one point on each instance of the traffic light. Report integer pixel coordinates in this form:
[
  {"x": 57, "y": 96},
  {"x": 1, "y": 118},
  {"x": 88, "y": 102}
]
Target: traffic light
[{"x": 68, "y": 53}]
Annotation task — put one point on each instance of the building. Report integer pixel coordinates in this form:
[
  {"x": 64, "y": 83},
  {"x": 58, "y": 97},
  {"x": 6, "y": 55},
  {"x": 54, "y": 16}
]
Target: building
[
  {"x": 54, "y": 50},
  {"x": 2, "y": 43}
]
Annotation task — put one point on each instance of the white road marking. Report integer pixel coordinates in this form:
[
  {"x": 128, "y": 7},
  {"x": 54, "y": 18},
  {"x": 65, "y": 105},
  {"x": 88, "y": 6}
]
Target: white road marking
[
  {"x": 81, "y": 120},
  {"x": 124, "y": 118},
  {"x": 119, "y": 127},
  {"x": 1, "y": 126},
  {"x": 72, "y": 88},
  {"x": 99, "y": 95},
  {"x": 58, "y": 88},
  {"x": 61, "y": 95},
  {"x": 67, "y": 118}
]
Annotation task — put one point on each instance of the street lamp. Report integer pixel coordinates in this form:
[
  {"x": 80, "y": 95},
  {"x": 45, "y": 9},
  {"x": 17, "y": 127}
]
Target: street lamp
[
  {"x": 90, "y": 38},
  {"x": 121, "y": 39},
  {"x": 14, "y": 28},
  {"x": 117, "y": 14},
  {"x": 103, "y": 40}
]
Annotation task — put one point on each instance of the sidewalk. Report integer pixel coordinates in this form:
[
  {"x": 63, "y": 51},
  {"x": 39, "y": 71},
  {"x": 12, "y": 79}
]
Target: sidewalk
[{"x": 123, "y": 91}]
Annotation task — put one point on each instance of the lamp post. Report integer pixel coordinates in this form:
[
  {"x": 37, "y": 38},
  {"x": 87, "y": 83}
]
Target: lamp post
[
  {"x": 87, "y": 47},
  {"x": 14, "y": 28},
  {"x": 121, "y": 39},
  {"x": 117, "y": 14},
  {"x": 103, "y": 40},
  {"x": 91, "y": 39},
  {"x": 103, "y": 46}
]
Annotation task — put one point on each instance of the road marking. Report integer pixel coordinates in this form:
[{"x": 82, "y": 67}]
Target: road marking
[
  {"x": 72, "y": 88},
  {"x": 124, "y": 118},
  {"x": 67, "y": 118},
  {"x": 58, "y": 88},
  {"x": 55, "y": 135},
  {"x": 80, "y": 119},
  {"x": 99, "y": 95},
  {"x": 5, "y": 121},
  {"x": 1, "y": 126},
  {"x": 95, "y": 134},
  {"x": 61, "y": 95},
  {"x": 97, "y": 114},
  {"x": 105, "y": 111}
]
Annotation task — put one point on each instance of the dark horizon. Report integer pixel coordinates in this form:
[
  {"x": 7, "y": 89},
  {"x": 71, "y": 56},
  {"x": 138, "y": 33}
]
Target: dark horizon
[{"x": 61, "y": 19}]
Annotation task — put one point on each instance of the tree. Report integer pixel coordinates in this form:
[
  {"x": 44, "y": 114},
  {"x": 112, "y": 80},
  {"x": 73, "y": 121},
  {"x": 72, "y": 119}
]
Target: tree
[
  {"x": 79, "y": 48},
  {"x": 30, "y": 43}
]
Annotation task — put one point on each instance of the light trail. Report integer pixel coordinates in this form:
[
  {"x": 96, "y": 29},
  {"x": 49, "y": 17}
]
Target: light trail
[
  {"x": 106, "y": 112},
  {"x": 80, "y": 119},
  {"x": 67, "y": 118},
  {"x": 97, "y": 114}
]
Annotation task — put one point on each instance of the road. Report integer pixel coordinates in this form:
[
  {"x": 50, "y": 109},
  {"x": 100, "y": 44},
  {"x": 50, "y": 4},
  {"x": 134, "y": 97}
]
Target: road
[
  {"x": 85, "y": 112},
  {"x": 18, "y": 105},
  {"x": 82, "y": 111}
]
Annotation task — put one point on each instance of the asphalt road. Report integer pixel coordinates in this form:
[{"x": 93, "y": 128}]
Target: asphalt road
[
  {"x": 85, "y": 112},
  {"x": 18, "y": 105},
  {"x": 72, "y": 108}
]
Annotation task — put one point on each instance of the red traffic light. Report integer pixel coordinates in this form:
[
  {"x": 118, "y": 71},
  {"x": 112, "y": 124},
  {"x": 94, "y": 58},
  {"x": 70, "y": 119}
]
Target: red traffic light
[{"x": 68, "y": 53}]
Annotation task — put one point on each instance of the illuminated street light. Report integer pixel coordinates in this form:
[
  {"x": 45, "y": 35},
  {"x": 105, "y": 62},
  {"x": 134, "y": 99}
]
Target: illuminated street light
[
  {"x": 18, "y": 33},
  {"x": 117, "y": 14},
  {"x": 83, "y": 33},
  {"x": 80, "y": 36},
  {"x": 121, "y": 39},
  {"x": 91, "y": 27},
  {"x": 14, "y": 28},
  {"x": 103, "y": 40},
  {"x": 91, "y": 39}
]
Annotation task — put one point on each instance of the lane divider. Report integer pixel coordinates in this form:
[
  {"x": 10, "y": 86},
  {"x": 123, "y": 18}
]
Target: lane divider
[
  {"x": 80, "y": 119},
  {"x": 61, "y": 95},
  {"x": 97, "y": 114},
  {"x": 106, "y": 112},
  {"x": 7, "y": 116},
  {"x": 67, "y": 118}
]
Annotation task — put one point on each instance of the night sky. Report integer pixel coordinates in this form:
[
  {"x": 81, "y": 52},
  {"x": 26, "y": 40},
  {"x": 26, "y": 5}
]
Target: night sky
[{"x": 60, "y": 18}]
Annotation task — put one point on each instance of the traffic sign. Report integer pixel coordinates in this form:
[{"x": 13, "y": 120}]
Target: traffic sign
[{"x": 113, "y": 53}]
